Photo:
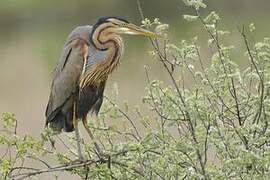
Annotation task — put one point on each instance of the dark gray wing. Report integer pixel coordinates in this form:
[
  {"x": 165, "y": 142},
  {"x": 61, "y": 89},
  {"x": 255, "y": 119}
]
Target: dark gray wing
[
  {"x": 65, "y": 81},
  {"x": 68, "y": 71}
]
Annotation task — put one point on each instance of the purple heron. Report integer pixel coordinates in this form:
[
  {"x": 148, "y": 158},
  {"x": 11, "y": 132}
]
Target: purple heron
[{"x": 89, "y": 55}]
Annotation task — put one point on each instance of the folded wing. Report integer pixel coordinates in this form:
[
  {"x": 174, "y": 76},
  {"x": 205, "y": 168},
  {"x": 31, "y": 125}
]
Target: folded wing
[{"x": 59, "y": 112}]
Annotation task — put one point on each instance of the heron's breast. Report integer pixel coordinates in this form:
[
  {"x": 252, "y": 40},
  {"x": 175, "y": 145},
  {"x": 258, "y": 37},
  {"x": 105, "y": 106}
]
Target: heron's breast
[{"x": 99, "y": 64}]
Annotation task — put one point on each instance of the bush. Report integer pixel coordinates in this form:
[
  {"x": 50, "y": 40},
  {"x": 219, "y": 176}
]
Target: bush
[{"x": 218, "y": 128}]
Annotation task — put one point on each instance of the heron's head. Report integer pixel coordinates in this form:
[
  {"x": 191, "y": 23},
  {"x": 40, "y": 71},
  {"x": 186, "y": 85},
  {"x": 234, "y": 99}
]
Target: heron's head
[{"x": 121, "y": 26}]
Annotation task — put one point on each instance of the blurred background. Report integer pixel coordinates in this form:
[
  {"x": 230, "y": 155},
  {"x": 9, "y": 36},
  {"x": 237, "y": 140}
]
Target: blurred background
[{"x": 32, "y": 34}]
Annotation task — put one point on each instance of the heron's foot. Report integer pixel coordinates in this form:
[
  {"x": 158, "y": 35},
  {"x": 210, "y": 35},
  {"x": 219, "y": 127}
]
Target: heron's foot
[
  {"x": 98, "y": 151},
  {"x": 81, "y": 157},
  {"x": 77, "y": 161},
  {"x": 106, "y": 158}
]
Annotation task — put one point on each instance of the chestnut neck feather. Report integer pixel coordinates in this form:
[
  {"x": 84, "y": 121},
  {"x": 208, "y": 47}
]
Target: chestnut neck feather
[{"x": 104, "y": 39}]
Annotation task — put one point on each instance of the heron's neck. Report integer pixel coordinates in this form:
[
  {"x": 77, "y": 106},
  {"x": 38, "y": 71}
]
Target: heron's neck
[{"x": 104, "y": 39}]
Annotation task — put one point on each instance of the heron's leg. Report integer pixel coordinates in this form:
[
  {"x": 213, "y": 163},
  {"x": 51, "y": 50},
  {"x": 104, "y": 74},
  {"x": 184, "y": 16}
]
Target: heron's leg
[
  {"x": 92, "y": 136},
  {"x": 78, "y": 138}
]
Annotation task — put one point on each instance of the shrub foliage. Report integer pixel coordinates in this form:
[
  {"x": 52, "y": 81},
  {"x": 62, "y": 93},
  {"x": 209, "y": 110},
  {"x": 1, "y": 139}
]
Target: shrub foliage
[{"x": 213, "y": 126}]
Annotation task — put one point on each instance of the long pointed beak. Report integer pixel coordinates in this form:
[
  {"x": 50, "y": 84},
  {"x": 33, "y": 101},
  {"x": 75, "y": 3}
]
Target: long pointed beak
[{"x": 136, "y": 30}]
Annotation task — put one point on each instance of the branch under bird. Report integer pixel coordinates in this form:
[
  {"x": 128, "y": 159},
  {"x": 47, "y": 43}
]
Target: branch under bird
[{"x": 89, "y": 55}]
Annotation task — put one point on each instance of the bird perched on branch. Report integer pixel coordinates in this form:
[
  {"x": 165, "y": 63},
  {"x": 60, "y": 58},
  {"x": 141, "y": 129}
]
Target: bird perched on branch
[{"x": 89, "y": 55}]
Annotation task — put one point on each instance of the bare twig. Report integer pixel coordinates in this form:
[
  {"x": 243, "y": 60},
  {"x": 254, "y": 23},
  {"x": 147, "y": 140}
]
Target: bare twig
[{"x": 125, "y": 115}]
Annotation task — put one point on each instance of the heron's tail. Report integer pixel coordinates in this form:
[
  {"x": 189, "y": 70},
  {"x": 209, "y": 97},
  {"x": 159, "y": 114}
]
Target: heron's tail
[{"x": 61, "y": 121}]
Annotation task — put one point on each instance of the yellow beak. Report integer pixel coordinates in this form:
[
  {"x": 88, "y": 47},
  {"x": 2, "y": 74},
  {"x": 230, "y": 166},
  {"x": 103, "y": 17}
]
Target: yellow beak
[{"x": 136, "y": 30}]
